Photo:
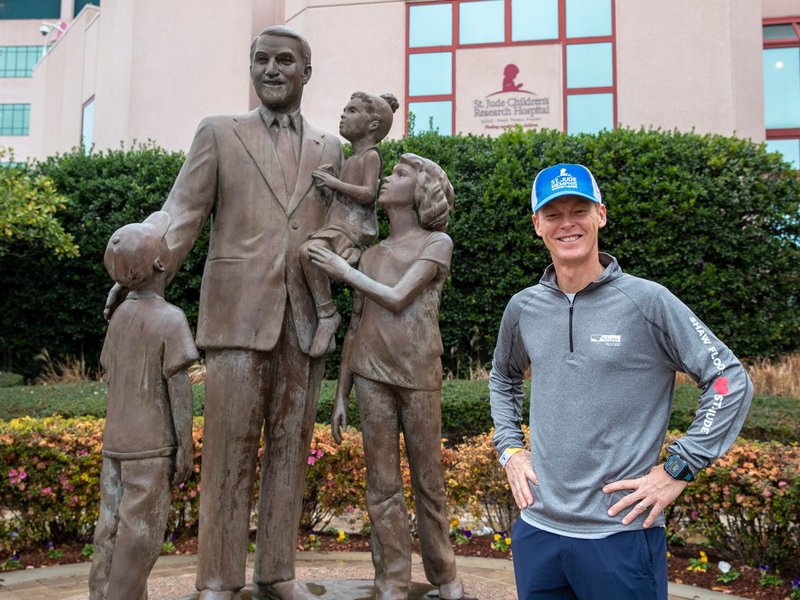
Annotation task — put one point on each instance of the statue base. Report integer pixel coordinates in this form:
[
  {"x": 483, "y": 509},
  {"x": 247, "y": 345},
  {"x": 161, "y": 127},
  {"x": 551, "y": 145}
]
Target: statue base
[{"x": 346, "y": 589}]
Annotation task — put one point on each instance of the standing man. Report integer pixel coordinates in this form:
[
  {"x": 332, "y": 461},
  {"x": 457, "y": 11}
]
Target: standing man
[
  {"x": 603, "y": 347},
  {"x": 252, "y": 174}
]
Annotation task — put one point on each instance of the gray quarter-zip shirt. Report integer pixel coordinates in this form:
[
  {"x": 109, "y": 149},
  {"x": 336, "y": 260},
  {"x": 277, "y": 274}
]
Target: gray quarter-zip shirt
[{"x": 603, "y": 374}]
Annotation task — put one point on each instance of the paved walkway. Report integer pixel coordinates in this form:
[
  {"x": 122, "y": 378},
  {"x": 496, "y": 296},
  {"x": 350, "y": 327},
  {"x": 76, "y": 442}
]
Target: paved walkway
[{"x": 173, "y": 577}]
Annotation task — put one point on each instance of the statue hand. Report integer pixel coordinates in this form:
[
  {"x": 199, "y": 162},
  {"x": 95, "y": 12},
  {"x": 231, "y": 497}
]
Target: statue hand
[
  {"x": 116, "y": 295},
  {"x": 331, "y": 263},
  {"x": 338, "y": 419},
  {"x": 183, "y": 465},
  {"x": 324, "y": 178}
]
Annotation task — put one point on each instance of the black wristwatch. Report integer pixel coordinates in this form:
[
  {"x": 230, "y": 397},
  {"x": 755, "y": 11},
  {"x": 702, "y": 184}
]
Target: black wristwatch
[{"x": 677, "y": 468}]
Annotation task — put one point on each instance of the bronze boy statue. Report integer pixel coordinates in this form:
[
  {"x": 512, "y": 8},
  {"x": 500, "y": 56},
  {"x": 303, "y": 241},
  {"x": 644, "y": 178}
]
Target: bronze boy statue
[
  {"x": 350, "y": 223},
  {"x": 147, "y": 443},
  {"x": 392, "y": 355}
]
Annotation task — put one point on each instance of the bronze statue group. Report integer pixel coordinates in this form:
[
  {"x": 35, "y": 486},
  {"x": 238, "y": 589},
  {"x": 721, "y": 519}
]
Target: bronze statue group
[{"x": 288, "y": 214}]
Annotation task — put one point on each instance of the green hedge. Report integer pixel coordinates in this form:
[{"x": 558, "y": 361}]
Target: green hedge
[
  {"x": 713, "y": 218},
  {"x": 465, "y": 408}
]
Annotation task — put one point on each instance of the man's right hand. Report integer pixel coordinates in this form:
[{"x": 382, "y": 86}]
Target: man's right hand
[
  {"x": 115, "y": 297},
  {"x": 520, "y": 474}
]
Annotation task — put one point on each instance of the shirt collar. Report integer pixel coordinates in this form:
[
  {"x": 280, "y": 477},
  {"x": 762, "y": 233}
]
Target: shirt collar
[{"x": 272, "y": 119}]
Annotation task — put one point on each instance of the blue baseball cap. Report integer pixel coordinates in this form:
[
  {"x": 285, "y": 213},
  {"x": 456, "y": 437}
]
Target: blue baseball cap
[{"x": 564, "y": 180}]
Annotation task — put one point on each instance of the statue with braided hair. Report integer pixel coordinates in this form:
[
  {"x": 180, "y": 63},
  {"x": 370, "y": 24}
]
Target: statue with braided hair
[
  {"x": 350, "y": 222},
  {"x": 392, "y": 354}
]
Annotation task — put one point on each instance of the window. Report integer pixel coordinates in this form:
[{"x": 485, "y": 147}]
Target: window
[
  {"x": 589, "y": 65},
  {"x": 590, "y": 113},
  {"x": 430, "y": 25},
  {"x": 430, "y": 74},
  {"x": 534, "y": 20},
  {"x": 30, "y": 9},
  {"x": 15, "y": 119},
  {"x": 781, "y": 59},
  {"x": 584, "y": 29},
  {"x": 482, "y": 22},
  {"x": 588, "y": 18},
  {"x": 432, "y": 116},
  {"x": 87, "y": 126},
  {"x": 18, "y": 61}
]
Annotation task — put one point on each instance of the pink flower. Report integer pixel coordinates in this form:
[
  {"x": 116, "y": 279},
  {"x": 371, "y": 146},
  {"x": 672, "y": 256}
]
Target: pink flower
[
  {"x": 320, "y": 454},
  {"x": 695, "y": 515},
  {"x": 46, "y": 490},
  {"x": 311, "y": 460},
  {"x": 75, "y": 499}
]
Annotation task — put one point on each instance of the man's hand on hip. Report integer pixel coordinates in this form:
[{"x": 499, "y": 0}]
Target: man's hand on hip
[
  {"x": 520, "y": 472},
  {"x": 654, "y": 491}
]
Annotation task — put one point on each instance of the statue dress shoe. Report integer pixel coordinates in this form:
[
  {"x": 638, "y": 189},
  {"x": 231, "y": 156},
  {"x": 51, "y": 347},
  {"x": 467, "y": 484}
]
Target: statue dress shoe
[
  {"x": 215, "y": 595},
  {"x": 283, "y": 590},
  {"x": 453, "y": 590}
]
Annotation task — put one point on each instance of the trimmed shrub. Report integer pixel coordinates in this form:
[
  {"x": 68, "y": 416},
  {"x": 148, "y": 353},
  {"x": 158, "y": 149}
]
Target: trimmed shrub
[
  {"x": 465, "y": 408},
  {"x": 715, "y": 219}
]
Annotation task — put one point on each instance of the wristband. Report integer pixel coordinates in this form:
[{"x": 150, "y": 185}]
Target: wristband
[{"x": 508, "y": 453}]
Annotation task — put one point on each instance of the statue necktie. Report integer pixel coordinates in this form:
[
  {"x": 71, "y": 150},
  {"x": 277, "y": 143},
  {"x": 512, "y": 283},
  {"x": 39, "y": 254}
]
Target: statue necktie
[{"x": 285, "y": 149}]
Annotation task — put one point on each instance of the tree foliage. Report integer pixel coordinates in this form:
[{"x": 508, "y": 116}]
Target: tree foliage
[
  {"x": 713, "y": 218},
  {"x": 28, "y": 207}
]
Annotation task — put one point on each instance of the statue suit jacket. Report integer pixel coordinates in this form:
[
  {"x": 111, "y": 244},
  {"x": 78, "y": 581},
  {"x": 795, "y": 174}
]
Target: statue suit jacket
[{"x": 253, "y": 267}]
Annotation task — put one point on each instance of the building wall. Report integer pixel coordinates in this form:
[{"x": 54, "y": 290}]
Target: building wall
[
  {"x": 155, "y": 68},
  {"x": 354, "y": 47},
  {"x": 58, "y": 89},
  {"x": 16, "y": 90},
  {"x": 703, "y": 74}
]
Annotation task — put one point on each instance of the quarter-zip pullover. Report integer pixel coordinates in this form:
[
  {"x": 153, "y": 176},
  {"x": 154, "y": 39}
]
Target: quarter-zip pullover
[{"x": 603, "y": 375}]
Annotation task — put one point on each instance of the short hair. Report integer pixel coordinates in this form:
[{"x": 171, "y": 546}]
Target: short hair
[
  {"x": 433, "y": 197},
  {"x": 381, "y": 108},
  {"x": 283, "y": 31}
]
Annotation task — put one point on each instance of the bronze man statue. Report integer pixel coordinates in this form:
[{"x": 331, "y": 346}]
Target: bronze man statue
[{"x": 252, "y": 174}]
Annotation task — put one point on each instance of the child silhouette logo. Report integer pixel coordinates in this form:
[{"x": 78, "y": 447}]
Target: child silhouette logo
[{"x": 510, "y": 73}]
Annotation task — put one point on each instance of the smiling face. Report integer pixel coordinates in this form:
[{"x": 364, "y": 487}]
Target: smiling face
[
  {"x": 569, "y": 227},
  {"x": 356, "y": 121},
  {"x": 279, "y": 72}
]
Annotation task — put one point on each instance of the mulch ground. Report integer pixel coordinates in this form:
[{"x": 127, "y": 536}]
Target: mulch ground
[{"x": 747, "y": 585}]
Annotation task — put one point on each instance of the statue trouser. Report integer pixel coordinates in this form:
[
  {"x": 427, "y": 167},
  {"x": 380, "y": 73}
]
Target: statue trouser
[
  {"x": 247, "y": 391},
  {"x": 385, "y": 411},
  {"x": 134, "y": 506}
]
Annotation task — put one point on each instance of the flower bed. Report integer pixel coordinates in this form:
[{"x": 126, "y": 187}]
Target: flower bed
[{"x": 747, "y": 505}]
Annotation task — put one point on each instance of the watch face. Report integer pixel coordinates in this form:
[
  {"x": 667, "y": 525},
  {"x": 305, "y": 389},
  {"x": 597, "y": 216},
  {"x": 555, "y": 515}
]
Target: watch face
[{"x": 674, "y": 466}]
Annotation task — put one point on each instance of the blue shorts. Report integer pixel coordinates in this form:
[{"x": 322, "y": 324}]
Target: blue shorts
[{"x": 631, "y": 565}]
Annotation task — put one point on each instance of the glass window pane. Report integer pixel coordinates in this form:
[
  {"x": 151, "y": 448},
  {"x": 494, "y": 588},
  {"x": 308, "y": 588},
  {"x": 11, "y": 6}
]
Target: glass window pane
[
  {"x": 15, "y": 119},
  {"x": 18, "y": 61},
  {"x": 534, "y": 20},
  {"x": 430, "y": 25},
  {"x": 789, "y": 148},
  {"x": 481, "y": 22},
  {"x": 87, "y": 127},
  {"x": 589, "y": 65},
  {"x": 589, "y": 113},
  {"x": 30, "y": 9},
  {"x": 430, "y": 74},
  {"x": 588, "y": 18},
  {"x": 782, "y": 87},
  {"x": 779, "y": 32},
  {"x": 432, "y": 116}
]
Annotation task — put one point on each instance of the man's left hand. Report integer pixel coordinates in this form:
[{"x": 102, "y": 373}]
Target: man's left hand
[{"x": 653, "y": 492}]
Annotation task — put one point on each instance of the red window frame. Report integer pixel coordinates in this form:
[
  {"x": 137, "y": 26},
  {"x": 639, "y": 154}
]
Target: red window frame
[{"x": 562, "y": 39}]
